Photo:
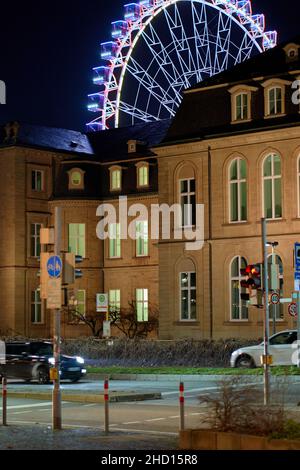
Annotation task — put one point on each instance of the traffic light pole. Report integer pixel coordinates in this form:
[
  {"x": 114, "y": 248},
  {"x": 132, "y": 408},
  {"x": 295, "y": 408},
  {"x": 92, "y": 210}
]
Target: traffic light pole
[
  {"x": 56, "y": 395},
  {"x": 266, "y": 319}
]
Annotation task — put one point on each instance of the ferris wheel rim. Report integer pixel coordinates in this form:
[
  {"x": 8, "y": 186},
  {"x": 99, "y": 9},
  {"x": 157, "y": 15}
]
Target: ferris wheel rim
[{"x": 238, "y": 16}]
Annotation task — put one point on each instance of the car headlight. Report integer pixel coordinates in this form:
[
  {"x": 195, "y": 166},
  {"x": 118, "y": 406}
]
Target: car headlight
[
  {"x": 51, "y": 361},
  {"x": 80, "y": 360}
]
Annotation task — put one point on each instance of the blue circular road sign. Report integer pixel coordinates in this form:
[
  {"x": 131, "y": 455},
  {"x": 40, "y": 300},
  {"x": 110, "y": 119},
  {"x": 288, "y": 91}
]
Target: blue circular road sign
[{"x": 54, "y": 266}]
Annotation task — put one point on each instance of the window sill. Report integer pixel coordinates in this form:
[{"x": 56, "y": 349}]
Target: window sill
[
  {"x": 272, "y": 116},
  {"x": 37, "y": 324},
  {"x": 186, "y": 323},
  {"x": 273, "y": 220},
  {"x": 233, "y": 224},
  {"x": 241, "y": 121},
  {"x": 238, "y": 323}
]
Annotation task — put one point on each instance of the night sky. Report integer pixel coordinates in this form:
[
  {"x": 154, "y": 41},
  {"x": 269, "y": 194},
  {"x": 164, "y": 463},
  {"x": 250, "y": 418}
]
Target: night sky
[{"x": 48, "y": 50}]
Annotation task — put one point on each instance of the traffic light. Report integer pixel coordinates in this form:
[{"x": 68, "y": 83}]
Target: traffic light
[
  {"x": 253, "y": 273},
  {"x": 70, "y": 272}
]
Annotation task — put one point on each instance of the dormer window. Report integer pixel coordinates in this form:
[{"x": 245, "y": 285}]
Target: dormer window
[
  {"x": 241, "y": 96},
  {"x": 115, "y": 178},
  {"x": 76, "y": 178},
  {"x": 292, "y": 52},
  {"x": 275, "y": 97},
  {"x": 142, "y": 170},
  {"x": 275, "y": 101}
]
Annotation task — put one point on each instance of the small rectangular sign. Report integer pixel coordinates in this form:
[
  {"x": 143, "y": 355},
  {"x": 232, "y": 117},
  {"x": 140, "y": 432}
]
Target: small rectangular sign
[
  {"x": 102, "y": 303},
  {"x": 106, "y": 329},
  {"x": 54, "y": 299}
]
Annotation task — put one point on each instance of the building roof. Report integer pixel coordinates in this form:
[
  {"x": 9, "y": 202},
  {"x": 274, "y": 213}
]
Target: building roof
[
  {"x": 48, "y": 138},
  {"x": 111, "y": 145},
  {"x": 205, "y": 110}
]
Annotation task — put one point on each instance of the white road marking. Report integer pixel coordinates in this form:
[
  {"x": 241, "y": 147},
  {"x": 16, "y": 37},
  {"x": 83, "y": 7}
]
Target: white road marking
[
  {"x": 154, "y": 419},
  {"x": 174, "y": 417},
  {"x": 21, "y": 412},
  {"x": 206, "y": 389},
  {"x": 33, "y": 405},
  {"x": 132, "y": 422},
  {"x": 89, "y": 405}
]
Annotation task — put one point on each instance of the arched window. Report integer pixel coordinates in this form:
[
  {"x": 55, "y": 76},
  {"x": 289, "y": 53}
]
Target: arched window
[
  {"x": 272, "y": 205},
  {"x": 238, "y": 190},
  {"x": 187, "y": 291},
  {"x": 76, "y": 178},
  {"x": 238, "y": 307},
  {"x": 276, "y": 311}
]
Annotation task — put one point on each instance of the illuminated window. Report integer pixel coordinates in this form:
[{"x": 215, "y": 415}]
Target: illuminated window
[
  {"x": 238, "y": 307},
  {"x": 188, "y": 202},
  {"x": 142, "y": 242},
  {"x": 238, "y": 190},
  {"x": 114, "y": 231},
  {"x": 114, "y": 300},
  {"x": 77, "y": 239},
  {"x": 241, "y": 107},
  {"x": 143, "y": 175},
  {"x": 115, "y": 179},
  {"x": 275, "y": 101},
  {"x": 35, "y": 244},
  {"x": 188, "y": 296},
  {"x": 76, "y": 178},
  {"x": 272, "y": 206},
  {"x": 142, "y": 305},
  {"x": 81, "y": 302}
]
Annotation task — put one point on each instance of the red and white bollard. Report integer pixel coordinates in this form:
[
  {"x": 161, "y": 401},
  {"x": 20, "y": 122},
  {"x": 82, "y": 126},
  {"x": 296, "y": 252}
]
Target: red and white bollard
[
  {"x": 106, "y": 405},
  {"x": 181, "y": 405},
  {"x": 4, "y": 401}
]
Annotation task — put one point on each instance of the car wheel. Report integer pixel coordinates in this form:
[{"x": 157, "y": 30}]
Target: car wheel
[
  {"x": 43, "y": 376},
  {"x": 245, "y": 362}
]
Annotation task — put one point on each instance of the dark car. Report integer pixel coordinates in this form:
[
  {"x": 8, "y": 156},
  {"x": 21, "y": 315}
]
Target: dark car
[{"x": 33, "y": 361}]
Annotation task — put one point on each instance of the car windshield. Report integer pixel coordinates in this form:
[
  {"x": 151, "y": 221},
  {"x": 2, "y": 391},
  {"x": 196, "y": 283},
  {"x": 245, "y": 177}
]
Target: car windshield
[{"x": 41, "y": 349}]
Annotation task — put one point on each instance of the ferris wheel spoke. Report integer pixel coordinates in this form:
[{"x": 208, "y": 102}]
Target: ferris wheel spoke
[
  {"x": 137, "y": 113},
  {"x": 162, "y": 58},
  {"x": 201, "y": 41},
  {"x": 222, "y": 43},
  {"x": 149, "y": 83}
]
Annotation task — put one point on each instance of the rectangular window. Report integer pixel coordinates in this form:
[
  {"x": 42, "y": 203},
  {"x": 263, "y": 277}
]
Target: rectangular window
[
  {"x": 143, "y": 176},
  {"x": 114, "y": 231},
  {"x": 188, "y": 202},
  {"x": 77, "y": 239},
  {"x": 36, "y": 307},
  {"x": 35, "y": 244},
  {"x": 242, "y": 107},
  {"x": 114, "y": 300},
  {"x": 37, "y": 180},
  {"x": 188, "y": 296},
  {"x": 142, "y": 243},
  {"x": 115, "y": 183},
  {"x": 275, "y": 101},
  {"x": 142, "y": 305},
  {"x": 81, "y": 302}
]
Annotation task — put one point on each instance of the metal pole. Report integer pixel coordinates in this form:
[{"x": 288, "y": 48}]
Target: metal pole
[
  {"x": 56, "y": 395},
  {"x": 298, "y": 329},
  {"x": 275, "y": 306},
  {"x": 181, "y": 405},
  {"x": 266, "y": 319},
  {"x": 4, "y": 401},
  {"x": 106, "y": 405}
]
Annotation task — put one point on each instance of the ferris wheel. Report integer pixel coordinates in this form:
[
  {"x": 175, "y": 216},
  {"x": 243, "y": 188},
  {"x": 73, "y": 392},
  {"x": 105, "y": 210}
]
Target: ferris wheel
[{"x": 162, "y": 47}]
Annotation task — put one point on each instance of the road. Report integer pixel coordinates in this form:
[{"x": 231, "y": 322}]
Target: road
[{"x": 155, "y": 416}]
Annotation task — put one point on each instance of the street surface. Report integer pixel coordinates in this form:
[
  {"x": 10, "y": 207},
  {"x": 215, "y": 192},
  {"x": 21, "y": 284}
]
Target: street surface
[{"x": 147, "y": 417}]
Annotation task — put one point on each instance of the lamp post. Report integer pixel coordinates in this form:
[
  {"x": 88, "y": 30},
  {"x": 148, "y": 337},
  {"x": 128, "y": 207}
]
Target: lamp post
[{"x": 272, "y": 287}]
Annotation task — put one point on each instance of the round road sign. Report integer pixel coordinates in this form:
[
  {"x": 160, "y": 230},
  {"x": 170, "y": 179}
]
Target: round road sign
[
  {"x": 292, "y": 309},
  {"x": 275, "y": 299},
  {"x": 54, "y": 266}
]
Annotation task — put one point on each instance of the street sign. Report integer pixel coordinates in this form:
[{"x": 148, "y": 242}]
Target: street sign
[
  {"x": 54, "y": 266},
  {"x": 54, "y": 299},
  {"x": 106, "y": 329},
  {"x": 292, "y": 309},
  {"x": 275, "y": 298},
  {"x": 102, "y": 303},
  {"x": 297, "y": 257}
]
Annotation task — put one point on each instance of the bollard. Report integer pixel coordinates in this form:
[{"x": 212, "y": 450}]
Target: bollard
[
  {"x": 181, "y": 405},
  {"x": 4, "y": 401},
  {"x": 106, "y": 405}
]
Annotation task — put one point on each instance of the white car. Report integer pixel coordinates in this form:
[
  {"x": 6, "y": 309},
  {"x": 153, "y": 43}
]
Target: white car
[{"x": 283, "y": 348}]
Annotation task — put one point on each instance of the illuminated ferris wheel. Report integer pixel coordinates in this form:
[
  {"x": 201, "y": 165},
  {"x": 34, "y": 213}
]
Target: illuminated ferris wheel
[{"x": 162, "y": 47}]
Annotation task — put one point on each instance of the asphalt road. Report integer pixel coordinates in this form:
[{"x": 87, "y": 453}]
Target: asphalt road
[{"x": 155, "y": 416}]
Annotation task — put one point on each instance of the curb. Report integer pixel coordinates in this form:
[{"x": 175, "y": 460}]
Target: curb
[
  {"x": 88, "y": 397},
  {"x": 166, "y": 377}
]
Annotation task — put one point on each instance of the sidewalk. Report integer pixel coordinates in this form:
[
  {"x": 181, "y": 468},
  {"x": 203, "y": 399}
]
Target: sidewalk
[{"x": 43, "y": 438}]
